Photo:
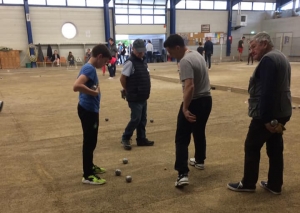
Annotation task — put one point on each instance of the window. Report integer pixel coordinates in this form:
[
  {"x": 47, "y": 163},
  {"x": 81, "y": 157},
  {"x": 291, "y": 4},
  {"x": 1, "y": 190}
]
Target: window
[
  {"x": 134, "y": 19},
  {"x": 180, "y": 5},
  {"x": 121, "y": 19},
  {"x": 258, "y": 6},
  {"x": 192, "y": 4},
  {"x": 134, "y": 2},
  {"x": 93, "y": 3},
  {"x": 76, "y": 3},
  {"x": 270, "y": 6},
  {"x": 121, "y": 9},
  {"x": 168, "y": 5},
  {"x": 246, "y": 5},
  {"x": 220, "y": 5},
  {"x": 147, "y": 10},
  {"x": 159, "y": 10},
  {"x": 147, "y": 1},
  {"x": 159, "y": 19},
  {"x": 160, "y": 2},
  {"x": 13, "y": 2},
  {"x": 56, "y": 2},
  {"x": 134, "y": 9},
  {"x": 288, "y": 6},
  {"x": 111, "y": 4},
  {"x": 37, "y": 2},
  {"x": 147, "y": 19},
  {"x": 0, "y": 1},
  {"x": 69, "y": 30},
  {"x": 207, "y": 5},
  {"x": 121, "y": 1}
]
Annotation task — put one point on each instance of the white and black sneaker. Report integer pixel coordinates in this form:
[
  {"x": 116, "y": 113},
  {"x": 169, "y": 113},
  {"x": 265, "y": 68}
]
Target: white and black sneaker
[
  {"x": 196, "y": 165},
  {"x": 182, "y": 180}
]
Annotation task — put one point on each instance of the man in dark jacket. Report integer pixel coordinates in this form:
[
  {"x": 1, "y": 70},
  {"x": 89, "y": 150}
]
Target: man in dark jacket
[
  {"x": 270, "y": 109},
  {"x": 208, "y": 50},
  {"x": 135, "y": 80}
]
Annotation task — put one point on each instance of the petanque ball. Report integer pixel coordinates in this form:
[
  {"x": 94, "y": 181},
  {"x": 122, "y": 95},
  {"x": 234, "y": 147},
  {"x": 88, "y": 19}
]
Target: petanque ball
[
  {"x": 128, "y": 179},
  {"x": 118, "y": 172},
  {"x": 125, "y": 160}
]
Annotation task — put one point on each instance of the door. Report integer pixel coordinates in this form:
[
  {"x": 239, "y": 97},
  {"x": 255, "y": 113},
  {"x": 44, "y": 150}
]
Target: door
[
  {"x": 283, "y": 42},
  {"x": 287, "y": 43}
]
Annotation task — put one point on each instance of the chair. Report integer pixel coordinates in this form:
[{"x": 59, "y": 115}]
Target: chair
[
  {"x": 40, "y": 62},
  {"x": 78, "y": 60},
  {"x": 47, "y": 61},
  {"x": 63, "y": 60}
]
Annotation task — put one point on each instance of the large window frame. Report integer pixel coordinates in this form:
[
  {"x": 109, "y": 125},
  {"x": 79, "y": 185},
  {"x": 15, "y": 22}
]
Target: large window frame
[{"x": 140, "y": 12}]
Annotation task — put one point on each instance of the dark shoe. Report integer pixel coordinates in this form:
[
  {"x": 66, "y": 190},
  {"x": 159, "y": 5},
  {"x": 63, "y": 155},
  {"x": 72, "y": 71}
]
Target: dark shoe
[
  {"x": 264, "y": 184},
  {"x": 144, "y": 142},
  {"x": 238, "y": 187},
  {"x": 1, "y": 105},
  {"x": 182, "y": 180},
  {"x": 126, "y": 144}
]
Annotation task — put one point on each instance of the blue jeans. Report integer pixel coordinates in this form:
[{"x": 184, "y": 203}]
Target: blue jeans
[
  {"x": 137, "y": 121},
  {"x": 200, "y": 107}
]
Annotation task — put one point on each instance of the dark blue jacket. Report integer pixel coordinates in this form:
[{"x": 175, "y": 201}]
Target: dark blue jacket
[{"x": 209, "y": 47}]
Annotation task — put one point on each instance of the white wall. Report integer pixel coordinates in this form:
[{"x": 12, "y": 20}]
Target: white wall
[
  {"x": 291, "y": 25},
  {"x": 191, "y": 20},
  {"x": 13, "y": 29},
  {"x": 46, "y": 24}
]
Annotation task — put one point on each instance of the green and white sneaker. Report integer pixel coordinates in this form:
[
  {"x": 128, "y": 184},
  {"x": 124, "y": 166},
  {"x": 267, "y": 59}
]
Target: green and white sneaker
[
  {"x": 98, "y": 170},
  {"x": 93, "y": 179}
]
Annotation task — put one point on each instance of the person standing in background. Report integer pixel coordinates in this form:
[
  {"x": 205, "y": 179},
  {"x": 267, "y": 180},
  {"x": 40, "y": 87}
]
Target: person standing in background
[
  {"x": 149, "y": 48},
  {"x": 87, "y": 55},
  {"x": 241, "y": 47},
  {"x": 114, "y": 53},
  {"x": 208, "y": 50},
  {"x": 200, "y": 49}
]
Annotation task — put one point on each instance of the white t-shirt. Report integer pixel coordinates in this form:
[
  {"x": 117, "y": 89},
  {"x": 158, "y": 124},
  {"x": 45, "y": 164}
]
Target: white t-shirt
[{"x": 149, "y": 47}]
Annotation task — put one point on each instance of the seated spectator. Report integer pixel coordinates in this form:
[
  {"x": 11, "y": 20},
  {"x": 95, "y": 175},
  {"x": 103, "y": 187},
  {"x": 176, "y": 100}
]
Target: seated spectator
[
  {"x": 55, "y": 58},
  {"x": 87, "y": 55},
  {"x": 71, "y": 59}
]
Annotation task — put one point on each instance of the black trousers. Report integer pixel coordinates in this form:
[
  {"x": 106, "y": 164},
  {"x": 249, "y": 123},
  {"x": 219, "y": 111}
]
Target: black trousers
[
  {"x": 250, "y": 56},
  {"x": 200, "y": 107},
  {"x": 208, "y": 60},
  {"x": 90, "y": 123},
  {"x": 256, "y": 137},
  {"x": 149, "y": 57}
]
